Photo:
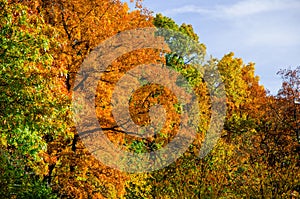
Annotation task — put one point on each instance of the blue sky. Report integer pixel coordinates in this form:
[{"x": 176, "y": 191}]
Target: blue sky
[{"x": 266, "y": 32}]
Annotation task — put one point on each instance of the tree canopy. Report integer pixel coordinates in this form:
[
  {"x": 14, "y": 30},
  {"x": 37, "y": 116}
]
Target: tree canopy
[{"x": 43, "y": 45}]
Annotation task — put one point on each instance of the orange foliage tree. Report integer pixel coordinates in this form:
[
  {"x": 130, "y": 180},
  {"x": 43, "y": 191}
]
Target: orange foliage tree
[{"x": 81, "y": 26}]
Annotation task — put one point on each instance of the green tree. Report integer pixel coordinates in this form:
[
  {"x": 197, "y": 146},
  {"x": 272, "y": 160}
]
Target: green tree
[
  {"x": 182, "y": 178},
  {"x": 32, "y": 111}
]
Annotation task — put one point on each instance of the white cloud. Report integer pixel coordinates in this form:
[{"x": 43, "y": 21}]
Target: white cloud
[
  {"x": 187, "y": 9},
  {"x": 252, "y": 7},
  {"x": 239, "y": 9},
  {"x": 253, "y": 22}
]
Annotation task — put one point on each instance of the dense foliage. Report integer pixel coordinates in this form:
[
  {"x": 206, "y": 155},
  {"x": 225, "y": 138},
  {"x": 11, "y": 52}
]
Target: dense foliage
[{"x": 42, "y": 46}]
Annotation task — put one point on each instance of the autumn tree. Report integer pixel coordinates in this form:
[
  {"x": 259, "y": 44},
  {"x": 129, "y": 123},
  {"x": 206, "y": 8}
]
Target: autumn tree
[
  {"x": 245, "y": 96},
  {"x": 70, "y": 169},
  {"x": 181, "y": 178},
  {"x": 272, "y": 148}
]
